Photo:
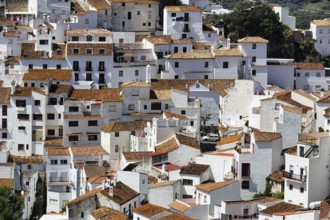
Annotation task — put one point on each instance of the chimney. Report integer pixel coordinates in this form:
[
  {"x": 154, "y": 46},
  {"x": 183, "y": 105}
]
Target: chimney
[
  {"x": 46, "y": 88},
  {"x": 100, "y": 160},
  {"x": 103, "y": 184},
  {"x": 163, "y": 168},
  {"x": 111, "y": 190},
  {"x": 12, "y": 87},
  {"x": 115, "y": 180},
  {"x": 228, "y": 43}
]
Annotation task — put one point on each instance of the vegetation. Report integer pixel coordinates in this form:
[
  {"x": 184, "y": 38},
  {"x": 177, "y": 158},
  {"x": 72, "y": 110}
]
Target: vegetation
[{"x": 11, "y": 204}]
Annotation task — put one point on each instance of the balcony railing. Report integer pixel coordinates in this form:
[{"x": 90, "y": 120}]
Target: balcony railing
[
  {"x": 59, "y": 179},
  {"x": 76, "y": 68},
  {"x": 102, "y": 81},
  {"x": 292, "y": 176},
  {"x": 89, "y": 68},
  {"x": 186, "y": 30},
  {"x": 102, "y": 69}
]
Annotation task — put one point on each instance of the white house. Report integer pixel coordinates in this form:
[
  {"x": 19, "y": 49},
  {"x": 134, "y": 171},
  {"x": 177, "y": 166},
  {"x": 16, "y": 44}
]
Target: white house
[
  {"x": 170, "y": 191},
  {"x": 321, "y": 34},
  {"x": 285, "y": 18}
]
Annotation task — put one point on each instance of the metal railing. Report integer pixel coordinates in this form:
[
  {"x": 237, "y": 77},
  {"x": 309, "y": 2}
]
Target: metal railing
[{"x": 298, "y": 177}]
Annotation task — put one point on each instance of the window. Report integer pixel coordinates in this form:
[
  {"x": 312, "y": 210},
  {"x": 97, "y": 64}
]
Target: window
[
  {"x": 23, "y": 116},
  {"x": 76, "y": 76},
  {"x": 43, "y": 42},
  {"x": 102, "y": 39},
  {"x": 4, "y": 135},
  {"x": 92, "y": 137},
  {"x": 246, "y": 184},
  {"x": 306, "y": 87},
  {"x": 149, "y": 24},
  {"x": 245, "y": 212},
  {"x": 254, "y": 46},
  {"x": 302, "y": 189},
  {"x": 50, "y": 116},
  {"x": 64, "y": 162},
  {"x": 183, "y": 112},
  {"x": 21, "y": 128},
  {"x": 116, "y": 134},
  {"x": 176, "y": 64},
  {"x": 184, "y": 49},
  {"x": 320, "y": 31},
  {"x": 74, "y": 38},
  {"x": 89, "y": 51},
  {"x": 206, "y": 64},
  {"x": 307, "y": 74},
  {"x": 4, "y": 110},
  {"x": 318, "y": 74},
  {"x": 173, "y": 14},
  {"x": 75, "y": 51},
  {"x": 73, "y": 109},
  {"x": 318, "y": 87},
  {"x": 245, "y": 170},
  {"x": 123, "y": 4},
  {"x": 20, "y": 103},
  {"x": 254, "y": 72},
  {"x": 129, "y": 15},
  {"x": 176, "y": 49},
  {"x": 135, "y": 92},
  {"x": 37, "y": 117},
  {"x": 277, "y": 106},
  {"x": 145, "y": 107},
  {"x": 4, "y": 123},
  {"x": 131, "y": 107},
  {"x": 112, "y": 108},
  {"x": 205, "y": 199},
  {"x": 30, "y": 66},
  {"x": 254, "y": 59},
  {"x": 138, "y": 13},
  {"x": 290, "y": 187},
  {"x": 50, "y": 132},
  {"x": 176, "y": 77},
  {"x": 149, "y": 15},
  {"x": 73, "y": 138},
  {"x": 92, "y": 123},
  {"x": 89, "y": 77},
  {"x": 86, "y": 21},
  {"x": 37, "y": 102},
  {"x": 116, "y": 148},
  {"x": 136, "y": 72},
  {"x": 121, "y": 73},
  {"x": 101, "y": 51},
  {"x": 73, "y": 123},
  {"x": 156, "y": 106},
  {"x": 29, "y": 166},
  {"x": 82, "y": 215},
  {"x": 225, "y": 65},
  {"x": 44, "y": 66},
  {"x": 20, "y": 146},
  {"x": 187, "y": 182}
]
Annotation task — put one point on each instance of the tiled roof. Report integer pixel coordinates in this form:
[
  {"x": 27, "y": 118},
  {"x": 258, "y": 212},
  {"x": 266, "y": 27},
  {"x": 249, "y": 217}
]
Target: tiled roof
[
  {"x": 168, "y": 166},
  {"x": 266, "y": 136},
  {"x": 209, "y": 187},
  {"x": 60, "y": 89},
  {"x": 324, "y": 99},
  {"x": 58, "y": 151},
  {"x": 310, "y": 66},
  {"x": 84, "y": 32},
  {"x": 292, "y": 109},
  {"x": 325, "y": 209},
  {"x": 231, "y": 139},
  {"x": 135, "y": 84},
  {"x": 136, "y": 155},
  {"x": 165, "y": 183},
  {"x": 217, "y": 85},
  {"x": 121, "y": 193},
  {"x": 23, "y": 27},
  {"x": 183, "y": 8},
  {"x": 4, "y": 95},
  {"x": 325, "y": 22},
  {"x": 327, "y": 112},
  {"x": 291, "y": 150},
  {"x": 259, "y": 200},
  {"x": 97, "y": 179},
  {"x": 191, "y": 55},
  {"x": 305, "y": 94},
  {"x": 166, "y": 39},
  {"x": 188, "y": 141},
  {"x": 43, "y": 76},
  {"x": 58, "y": 141},
  {"x": 13, "y": 59},
  {"x": 87, "y": 195},
  {"x": 176, "y": 217},
  {"x": 252, "y": 40},
  {"x": 221, "y": 154},
  {"x": 7, "y": 182},
  {"x": 5, "y": 21},
  {"x": 105, "y": 95},
  {"x": 224, "y": 52},
  {"x": 28, "y": 52},
  {"x": 200, "y": 46},
  {"x": 277, "y": 177},
  {"x": 179, "y": 206},
  {"x": 94, "y": 46},
  {"x": 88, "y": 151},
  {"x": 173, "y": 115},
  {"x": 27, "y": 159},
  {"x": 285, "y": 96},
  {"x": 167, "y": 146},
  {"x": 100, "y": 4},
  {"x": 194, "y": 169},
  {"x": 94, "y": 170},
  {"x": 125, "y": 126},
  {"x": 149, "y": 210},
  {"x": 280, "y": 207},
  {"x": 138, "y": 2},
  {"x": 27, "y": 91},
  {"x": 106, "y": 213}
]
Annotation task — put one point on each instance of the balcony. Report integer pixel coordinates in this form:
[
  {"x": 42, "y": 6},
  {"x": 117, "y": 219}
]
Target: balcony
[
  {"x": 88, "y": 68},
  {"x": 101, "y": 69},
  {"x": 296, "y": 177},
  {"x": 76, "y": 68},
  {"x": 186, "y": 29},
  {"x": 101, "y": 81},
  {"x": 59, "y": 181},
  {"x": 20, "y": 108}
]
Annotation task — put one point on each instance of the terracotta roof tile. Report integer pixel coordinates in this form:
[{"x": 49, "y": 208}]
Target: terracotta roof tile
[
  {"x": 168, "y": 166},
  {"x": 173, "y": 115},
  {"x": 28, "y": 52},
  {"x": 292, "y": 109},
  {"x": 201, "y": 46},
  {"x": 258, "y": 200},
  {"x": 179, "y": 206},
  {"x": 97, "y": 179},
  {"x": 252, "y": 40},
  {"x": 280, "y": 207},
  {"x": 167, "y": 146},
  {"x": 121, "y": 193},
  {"x": 38, "y": 159},
  {"x": 43, "y": 76},
  {"x": 88, "y": 151},
  {"x": 149, "y": 210},
  {"x": 135, "y": 84},
  {"x": 100, "y": 4},
  {"x": 6, "y": 21},
  {"x": 325, "y": 209},
  {"x": 231, "y": 139},
  {"x": 183, "y": 8},
  {"x": 188, "y": 141},
  {"x": 221, "y": 154},
  {"x": 223, "y": 52},
  {"x": 327, "y": 112},
  {"x": 176, "y": 217},
  {"x": 194, "y": 169},
  {"x": 305, "y": 94},
  {"x": 106, "y": 213},
  {"x": 57, "y": 141},
  {"x": 310, "y": 66},
  {"x": 27, "y": 91},
  {"x": 209, "y": 187},
  {"x": 13, "y": 59},
  {"x": 58, "y": 151},
  {"x": 165, "y": 183},
  {"x": 60, "y": 89},
  {"x": 94, "y": 46},
  {"x": 87, "y": 195},
  {"x": 92, "y": 170},
  {"x": 84, "y": 32},
  {"x": 277, "y": 177},
  {"x": 191, "y": 55},
  {"x": 4, "y": 96},
  {"x": 325, "y": 22},
  {"x": 7, "y": 182},
  {"x": 125, "y": 126},
  {"x": 105, "y": 95},
  {"x": 324, "y": 99},
  {"x": 136, "y": 155},
  {"x": 266, "y": 136}
]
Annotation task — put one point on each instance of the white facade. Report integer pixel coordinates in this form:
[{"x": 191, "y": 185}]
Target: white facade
[
  {"x": 285, "y": 18},
  {"x": 321, "y": 34}
]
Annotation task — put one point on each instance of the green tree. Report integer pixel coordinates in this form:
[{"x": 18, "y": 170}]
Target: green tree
[{"x": 11, "y": 204}]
